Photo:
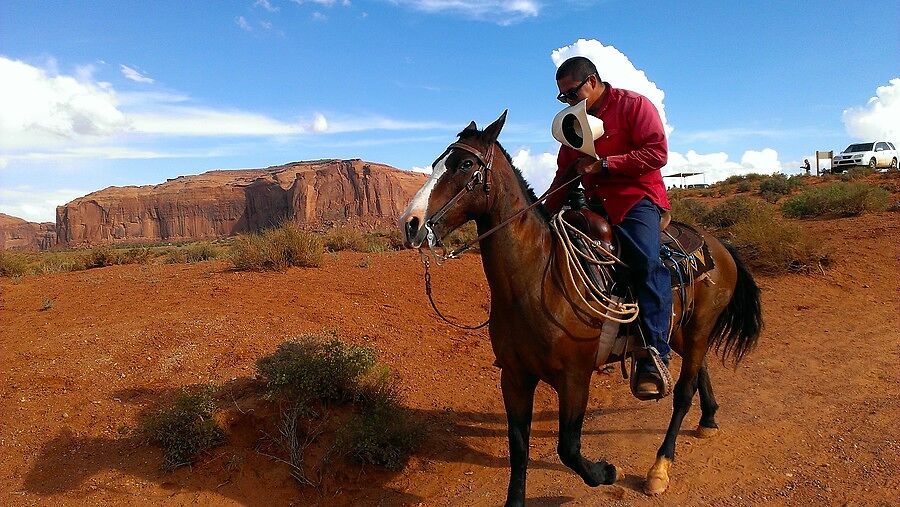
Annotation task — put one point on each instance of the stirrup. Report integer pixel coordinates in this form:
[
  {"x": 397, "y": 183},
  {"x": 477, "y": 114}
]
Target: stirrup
[{"x": 661, "y": 370}]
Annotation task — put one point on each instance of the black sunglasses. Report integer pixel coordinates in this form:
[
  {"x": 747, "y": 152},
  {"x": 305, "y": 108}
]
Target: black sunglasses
[{"x": 573, "y": 93}]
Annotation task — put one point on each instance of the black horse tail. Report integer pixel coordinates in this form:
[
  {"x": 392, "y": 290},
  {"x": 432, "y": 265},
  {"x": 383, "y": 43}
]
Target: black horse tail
[{"x": 738, "y": 327}]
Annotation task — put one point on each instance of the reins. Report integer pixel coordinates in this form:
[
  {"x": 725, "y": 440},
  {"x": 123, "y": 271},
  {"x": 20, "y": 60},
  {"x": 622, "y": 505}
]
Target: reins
[{"x": 478, "y": 178}]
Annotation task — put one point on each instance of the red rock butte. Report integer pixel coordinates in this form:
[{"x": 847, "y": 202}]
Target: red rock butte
[
  {"x": 17, "y": 234},
  {"x": 214, "y": 204}
]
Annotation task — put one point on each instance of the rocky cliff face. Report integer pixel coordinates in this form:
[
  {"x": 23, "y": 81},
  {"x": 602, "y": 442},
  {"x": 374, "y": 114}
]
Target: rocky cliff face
[
  {"x": 223, "y": 203},
  {"x": 18, "y": 234}
]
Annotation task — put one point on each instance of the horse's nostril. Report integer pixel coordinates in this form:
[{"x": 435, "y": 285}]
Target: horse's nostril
[{"x": 412, "y": 228}]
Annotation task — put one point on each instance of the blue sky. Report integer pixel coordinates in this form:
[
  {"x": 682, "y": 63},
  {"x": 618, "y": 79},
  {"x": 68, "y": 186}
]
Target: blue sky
[{"x": 98, "y": 93}]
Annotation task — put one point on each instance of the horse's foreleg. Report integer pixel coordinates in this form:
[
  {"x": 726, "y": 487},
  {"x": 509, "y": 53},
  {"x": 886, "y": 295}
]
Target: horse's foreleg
[
  {"x": 573, "y": 397},
  {"x": 518, "y": 397},
  {"x": 708, "y": 405},
  {"x": 658, "y": 476}
]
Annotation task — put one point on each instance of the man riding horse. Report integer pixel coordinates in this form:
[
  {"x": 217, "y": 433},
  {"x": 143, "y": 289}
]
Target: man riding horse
[{"x": 626, "y": 181}]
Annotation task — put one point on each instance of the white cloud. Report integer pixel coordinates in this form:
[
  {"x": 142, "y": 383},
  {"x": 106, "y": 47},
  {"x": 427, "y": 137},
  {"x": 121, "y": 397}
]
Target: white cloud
[
  {"x": 242, "y": 22},
  {"x": 135, "y": 75},
  {"x": 320, "y": 123},
  {"x": 318, "y": 16},
  {"x": 537, "y": 169},
  {"x": 615, "y": 68},
  {"x": 716, "y": 166},
  {"x": 41, "y": 109},
  {"x": 107, "y": 153},
  {"x": 35, "y": 205},
  {"x": 425, "y": 170},
  {"x": 265, "y": 4},
  {"x": 879, "y": 119},
  {"x": 503, "y": 12}
]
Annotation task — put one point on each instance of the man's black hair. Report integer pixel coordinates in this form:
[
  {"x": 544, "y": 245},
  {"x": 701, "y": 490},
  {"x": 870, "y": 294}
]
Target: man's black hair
[{"x": 577, "y": 67}]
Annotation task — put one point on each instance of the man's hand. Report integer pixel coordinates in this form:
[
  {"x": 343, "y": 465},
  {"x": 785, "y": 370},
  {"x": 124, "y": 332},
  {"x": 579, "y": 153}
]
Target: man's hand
[{"x": 586, "y": 165}]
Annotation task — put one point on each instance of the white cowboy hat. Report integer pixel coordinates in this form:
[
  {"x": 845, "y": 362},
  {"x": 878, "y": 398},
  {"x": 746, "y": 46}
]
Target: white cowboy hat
[{"x": 573, "y": 125}]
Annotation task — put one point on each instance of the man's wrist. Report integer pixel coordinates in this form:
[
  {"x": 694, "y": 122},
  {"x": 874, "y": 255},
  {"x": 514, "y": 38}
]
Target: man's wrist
[{"x": 604, "y": 167}]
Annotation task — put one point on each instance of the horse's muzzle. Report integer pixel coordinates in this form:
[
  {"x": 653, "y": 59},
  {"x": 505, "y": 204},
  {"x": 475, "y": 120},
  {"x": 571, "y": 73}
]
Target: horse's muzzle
[{"x": 414, "y": 232}]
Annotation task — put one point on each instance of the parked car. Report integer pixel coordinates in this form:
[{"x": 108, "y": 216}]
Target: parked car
[{"x": 874, "y": 155}]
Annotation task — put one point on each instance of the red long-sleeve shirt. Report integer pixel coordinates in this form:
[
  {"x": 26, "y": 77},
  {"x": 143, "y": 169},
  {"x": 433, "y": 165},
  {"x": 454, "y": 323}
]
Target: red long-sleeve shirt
[{"x": 635, "y": 147}]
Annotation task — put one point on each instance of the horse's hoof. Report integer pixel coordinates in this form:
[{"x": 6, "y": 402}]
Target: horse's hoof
[
  {"x": 620, "y": 474},
  {"x": 658, "y": 477},
  {"x": 704, "y": 432}
]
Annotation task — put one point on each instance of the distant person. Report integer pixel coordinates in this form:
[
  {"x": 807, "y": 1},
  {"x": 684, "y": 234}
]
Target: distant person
[
  {"x": 628, "y": 182},
  {"x": 806, "y": 166}
]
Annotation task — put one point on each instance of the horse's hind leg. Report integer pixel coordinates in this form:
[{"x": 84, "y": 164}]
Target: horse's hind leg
[
  {"x": 518, "y": 397},
  {"x": 573, "y": 397},
  {"x": 658, "y": 476},
  {"x": 708, "y": 405}
]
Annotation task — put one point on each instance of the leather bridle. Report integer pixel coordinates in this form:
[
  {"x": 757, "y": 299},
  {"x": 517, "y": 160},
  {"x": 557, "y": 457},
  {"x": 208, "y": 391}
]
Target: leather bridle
[{"x": 478, "y": 178}]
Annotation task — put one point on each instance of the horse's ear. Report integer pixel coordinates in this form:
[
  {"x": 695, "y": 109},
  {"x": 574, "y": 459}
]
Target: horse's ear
[
  {"x": 493, "y": 131},
  {"x": 471, "y": 128}
]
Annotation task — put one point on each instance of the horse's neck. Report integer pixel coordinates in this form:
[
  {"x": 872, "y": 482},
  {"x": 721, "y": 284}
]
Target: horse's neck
[{"x": 515, "y": 256}]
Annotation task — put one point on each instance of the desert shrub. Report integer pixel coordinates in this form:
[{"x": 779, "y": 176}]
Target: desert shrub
[
  {"x": 343, "y": 238},
  {"x": 382, "y": 432},
  {"x": 689, "y": 211},
  {"x": 730, "y": 212},
  {"x": 13, "y": 264},
  {"x": 459, "y": 237},
  {"x": 857, "y": 173},
  {"x": 277, "y": 249},
  {"x": 742, "y": 187},
  {"x": 199, "y": 252},
  {"x": 185, "y": 427},
  {"x": 102, "y": 256},
  {"x": 772, "y": 246},
  {"x": 777, "y": 184},
  {"x": 58, "y": 262},
  {"x": 136, "y": 255},
  {"x": 313, "y": 368},
  {"x": 838, "y": 200}
]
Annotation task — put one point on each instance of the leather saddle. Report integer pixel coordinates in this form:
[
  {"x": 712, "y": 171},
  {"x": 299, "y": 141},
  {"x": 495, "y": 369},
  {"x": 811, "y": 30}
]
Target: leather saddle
[{"x": 683, "y": 249}]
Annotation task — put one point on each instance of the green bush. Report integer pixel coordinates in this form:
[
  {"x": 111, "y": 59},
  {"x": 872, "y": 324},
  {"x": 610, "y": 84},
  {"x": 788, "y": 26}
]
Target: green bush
[
  {"x": 277, "y": 249},
  {"x": 382, "y": 432},
  {"x": 185, "y": 427},
  {"x": 776, "y": 184},
  {"x": 307, "y": 374},
  {"x": 199, "y": 252},
  {"x": 343, "y": 238},
  {"x": 743, "y": 186},
  {"x": 689, "y": 211},
  {"x": 837, "y": 199},
  {"x": 729, "y": 212},
  {"x": 102, "y": 256},
  {"x": 13, "y": 264},
  {"x": 312, "y": 368}
]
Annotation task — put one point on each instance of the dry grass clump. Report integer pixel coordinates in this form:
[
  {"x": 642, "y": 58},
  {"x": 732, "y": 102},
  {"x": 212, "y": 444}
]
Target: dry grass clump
[
  {"x": 770, "y": 245},
  {"x": 343, "y": 238},
  {"x": 277, "y": 249},
  {"x": 837, "y": 199},
  {"x": 185, "y": 427},
  {"x": 13, "y": 264}
]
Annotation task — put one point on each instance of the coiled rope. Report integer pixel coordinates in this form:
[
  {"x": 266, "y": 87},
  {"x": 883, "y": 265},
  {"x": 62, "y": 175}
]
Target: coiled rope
[{"x": 597, "y": 299}]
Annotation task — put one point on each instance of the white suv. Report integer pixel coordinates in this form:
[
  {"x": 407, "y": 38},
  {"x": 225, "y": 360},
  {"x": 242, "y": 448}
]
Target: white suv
[{"x": 874, "y": 155}]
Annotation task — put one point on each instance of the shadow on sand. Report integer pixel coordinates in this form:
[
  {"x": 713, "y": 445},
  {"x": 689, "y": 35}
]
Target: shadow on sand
[{"x": 241, "y": 471}]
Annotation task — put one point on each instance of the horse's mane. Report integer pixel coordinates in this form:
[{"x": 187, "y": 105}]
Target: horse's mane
[{"x": 526, "y": 188}]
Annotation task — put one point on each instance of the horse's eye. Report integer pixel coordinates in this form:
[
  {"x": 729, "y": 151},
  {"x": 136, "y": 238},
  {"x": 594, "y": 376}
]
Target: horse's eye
[{"x": 466, "y": 165}]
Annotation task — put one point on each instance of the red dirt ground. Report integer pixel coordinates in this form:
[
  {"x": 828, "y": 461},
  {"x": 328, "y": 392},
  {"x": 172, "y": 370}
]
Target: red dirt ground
[{"x": 810, "y": 418}]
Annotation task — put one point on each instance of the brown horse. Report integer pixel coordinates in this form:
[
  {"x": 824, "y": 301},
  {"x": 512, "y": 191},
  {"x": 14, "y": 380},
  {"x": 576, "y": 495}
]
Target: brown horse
[{"x": 537, "y": 326}]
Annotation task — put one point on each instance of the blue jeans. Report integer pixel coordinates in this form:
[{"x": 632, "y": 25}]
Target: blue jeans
[{"x": 639, "y": 241}]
